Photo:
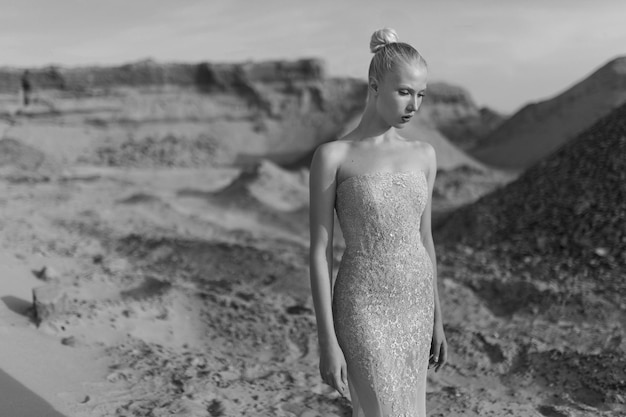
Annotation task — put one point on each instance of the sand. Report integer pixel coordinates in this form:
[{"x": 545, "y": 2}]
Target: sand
[{"x": 178, "y": 288}]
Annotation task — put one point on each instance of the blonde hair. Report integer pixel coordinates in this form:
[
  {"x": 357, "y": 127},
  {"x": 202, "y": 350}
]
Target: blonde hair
[{"x": 389, "y": 52}]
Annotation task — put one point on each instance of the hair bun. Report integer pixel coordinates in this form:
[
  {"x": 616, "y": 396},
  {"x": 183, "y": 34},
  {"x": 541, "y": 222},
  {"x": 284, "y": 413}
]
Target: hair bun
[{"x": 381, "y": 38}]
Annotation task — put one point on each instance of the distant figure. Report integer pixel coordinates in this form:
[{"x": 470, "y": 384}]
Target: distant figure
[
  {"x": 380, "y": 327},
  {"x": 26, "y": 89}
]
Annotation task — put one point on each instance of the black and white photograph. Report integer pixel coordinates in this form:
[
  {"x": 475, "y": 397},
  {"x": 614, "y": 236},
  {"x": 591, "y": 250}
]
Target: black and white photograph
[{"x": 232, "y": 208}]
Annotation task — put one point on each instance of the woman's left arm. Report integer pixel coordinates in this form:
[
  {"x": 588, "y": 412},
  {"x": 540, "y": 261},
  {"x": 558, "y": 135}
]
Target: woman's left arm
[{"x": 439, "y": 345}]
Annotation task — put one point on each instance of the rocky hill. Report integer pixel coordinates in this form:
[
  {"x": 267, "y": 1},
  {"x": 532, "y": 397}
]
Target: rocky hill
[
  {"x": 565, "y": 216},
  {"x": 242, "y": 113},
  {"x": 279, "y": 110},
  {"x": 208, "y": 76},
  {"x": 548, "y": 251},
  {"x": 539, "y": 129}
]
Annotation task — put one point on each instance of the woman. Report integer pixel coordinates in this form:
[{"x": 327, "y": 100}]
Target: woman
[{"x": 382, "y": 318}]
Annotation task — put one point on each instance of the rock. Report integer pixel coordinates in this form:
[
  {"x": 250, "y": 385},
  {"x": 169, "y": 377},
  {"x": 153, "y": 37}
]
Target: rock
[
  {"x": 118, "y": 375},
  {"x": 601, "y": 251},
  {"x": 199, "y": 362},
  {"x": 298, "y": 309},
  {"x": 47, "y": 274},
  {"x": 49, "y": 300},
  {"x": 68, "y": 341},
  {"x": 216, "y": 408}
]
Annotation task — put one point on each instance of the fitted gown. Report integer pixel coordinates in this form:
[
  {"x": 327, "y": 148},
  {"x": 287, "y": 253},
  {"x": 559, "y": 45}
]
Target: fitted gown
[{"x": 383, "y": 300}]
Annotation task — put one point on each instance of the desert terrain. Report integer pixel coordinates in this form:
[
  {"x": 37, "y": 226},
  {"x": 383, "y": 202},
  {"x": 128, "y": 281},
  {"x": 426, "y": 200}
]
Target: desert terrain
[{"x": 154, "y": 252}]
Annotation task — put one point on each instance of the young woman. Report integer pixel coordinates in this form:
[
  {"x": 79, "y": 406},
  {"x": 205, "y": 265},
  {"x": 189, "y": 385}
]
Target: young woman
[{"x": 380, "y": 324}]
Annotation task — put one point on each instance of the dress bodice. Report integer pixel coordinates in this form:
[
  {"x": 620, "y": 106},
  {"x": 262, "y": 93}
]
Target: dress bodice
[{"x": 380, "y": 212}]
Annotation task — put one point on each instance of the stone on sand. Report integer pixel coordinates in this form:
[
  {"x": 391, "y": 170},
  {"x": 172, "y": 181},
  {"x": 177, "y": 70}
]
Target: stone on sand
[{"x": 48, "y": 301}]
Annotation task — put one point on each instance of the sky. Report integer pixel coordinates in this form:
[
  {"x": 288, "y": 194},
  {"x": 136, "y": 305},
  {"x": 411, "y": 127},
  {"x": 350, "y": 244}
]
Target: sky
[{"x": 506, "y": 53}]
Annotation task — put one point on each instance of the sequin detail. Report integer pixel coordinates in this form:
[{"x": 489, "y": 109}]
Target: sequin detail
[{"x": 383, "y": 297}]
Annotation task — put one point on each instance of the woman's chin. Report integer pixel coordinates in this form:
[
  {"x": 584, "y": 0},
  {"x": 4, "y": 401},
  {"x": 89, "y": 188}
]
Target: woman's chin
[{"x": 401, "y": 125}]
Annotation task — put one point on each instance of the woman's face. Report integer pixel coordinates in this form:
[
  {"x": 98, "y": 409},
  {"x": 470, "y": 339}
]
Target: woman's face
[{"x": 400, "y": 93}]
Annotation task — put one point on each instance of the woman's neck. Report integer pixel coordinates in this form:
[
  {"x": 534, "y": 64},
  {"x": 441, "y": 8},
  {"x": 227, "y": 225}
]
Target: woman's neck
[{"x": 372, "y": 126}]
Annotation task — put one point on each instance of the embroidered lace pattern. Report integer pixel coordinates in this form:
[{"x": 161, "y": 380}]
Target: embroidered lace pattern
[{"x": 383, "y": 296}]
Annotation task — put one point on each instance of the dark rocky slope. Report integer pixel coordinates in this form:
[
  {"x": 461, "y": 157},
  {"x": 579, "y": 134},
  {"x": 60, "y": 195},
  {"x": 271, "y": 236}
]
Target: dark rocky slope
[
  {"x": 565, "y": 216},
  {"x": 546, "y": 255}
]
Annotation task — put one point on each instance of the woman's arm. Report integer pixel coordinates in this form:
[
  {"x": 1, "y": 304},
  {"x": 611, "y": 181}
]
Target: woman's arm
[
  {"x": 439, "y": 347},
  {"x": 322, "y": 186}
]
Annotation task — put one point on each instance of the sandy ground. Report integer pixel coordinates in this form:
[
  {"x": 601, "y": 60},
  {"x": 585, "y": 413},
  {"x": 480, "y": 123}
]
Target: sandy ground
[{"x": 184, "y": 291}]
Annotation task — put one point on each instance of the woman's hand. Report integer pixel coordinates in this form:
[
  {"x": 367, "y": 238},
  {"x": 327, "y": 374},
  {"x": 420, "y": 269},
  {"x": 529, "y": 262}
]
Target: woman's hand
[
  {"x": 438, "y": 347},
  {"x": 333, "y": 368}
]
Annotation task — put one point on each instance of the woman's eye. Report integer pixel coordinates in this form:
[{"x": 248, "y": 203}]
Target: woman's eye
[
  {"x": 421, "y": 95},
  {"x": 404, "y": 92}
]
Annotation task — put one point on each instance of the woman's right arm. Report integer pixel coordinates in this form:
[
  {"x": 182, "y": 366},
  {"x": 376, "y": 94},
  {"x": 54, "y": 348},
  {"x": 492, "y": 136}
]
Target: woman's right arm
[{"x": 322, "y": 186}]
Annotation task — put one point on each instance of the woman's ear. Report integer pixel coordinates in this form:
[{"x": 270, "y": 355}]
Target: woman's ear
[{"x": 373, "y": 85}]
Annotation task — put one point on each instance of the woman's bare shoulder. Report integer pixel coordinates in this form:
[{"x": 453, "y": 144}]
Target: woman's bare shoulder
[
  {"x": 424, "y": 155},
  {"x": 420, "y": 147},
  {"x": 335, "y": 145},
  {"x": 424, "y": 148},
  {"x": 415, "y": 143},
  {"x": 330, "y": 153}
]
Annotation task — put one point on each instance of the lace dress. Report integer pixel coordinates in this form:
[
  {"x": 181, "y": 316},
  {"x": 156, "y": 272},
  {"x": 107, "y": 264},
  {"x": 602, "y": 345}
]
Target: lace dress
[{"x": 383, "y": 301}]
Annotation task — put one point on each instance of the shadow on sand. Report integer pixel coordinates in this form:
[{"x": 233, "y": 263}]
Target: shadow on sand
[
  {"x": 18, "y": 401},
  {"x": 17, "y": 305}
]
